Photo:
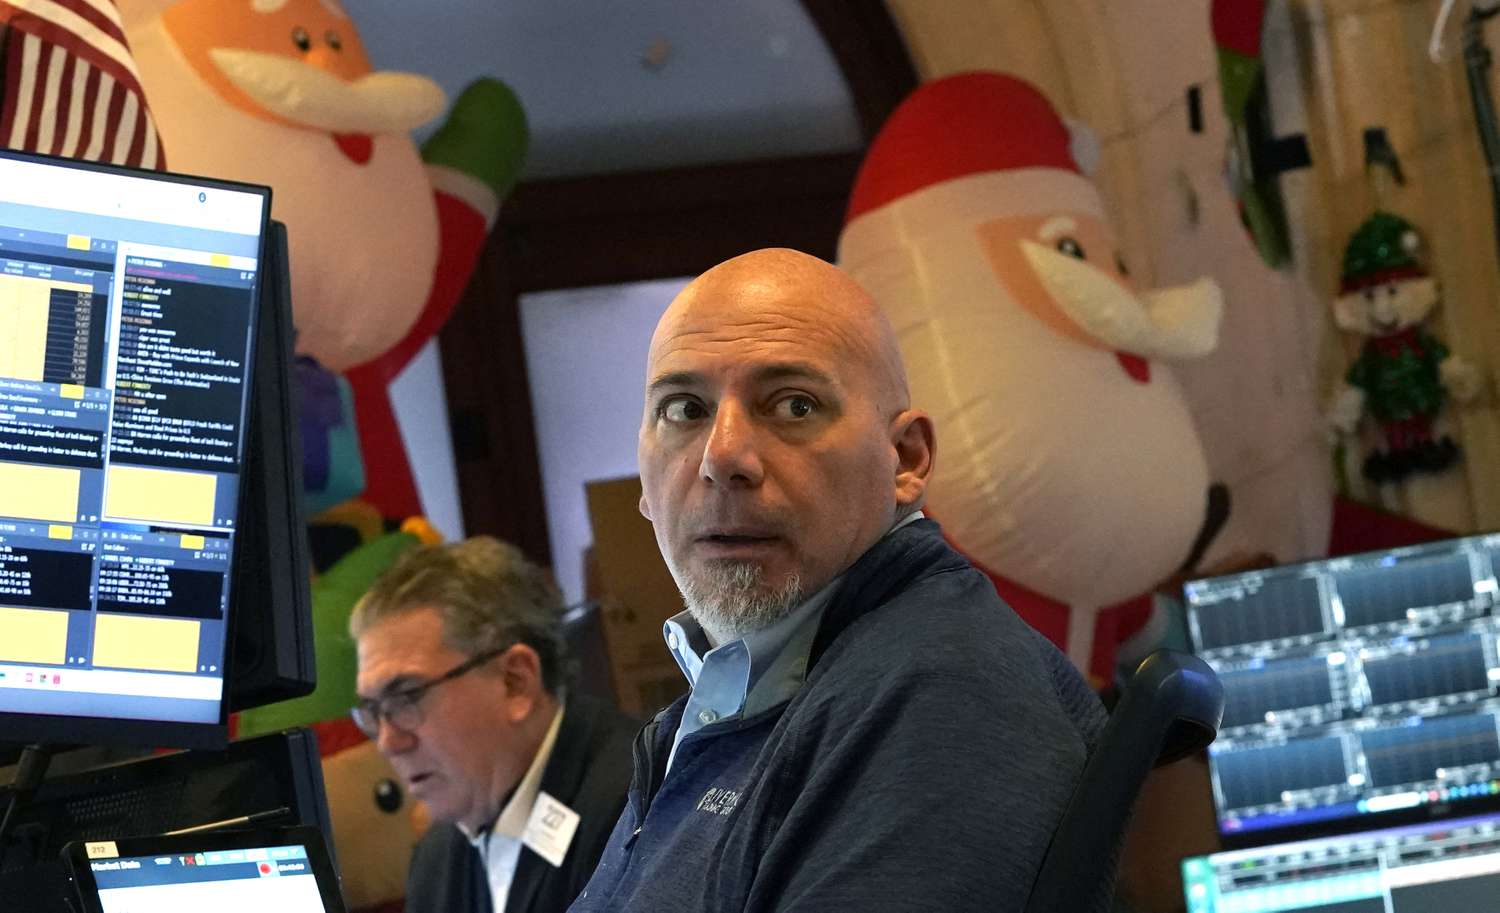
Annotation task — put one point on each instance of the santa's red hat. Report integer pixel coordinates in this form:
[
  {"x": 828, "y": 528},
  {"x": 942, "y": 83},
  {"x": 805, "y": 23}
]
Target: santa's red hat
[{"x": 965, "y": 149}]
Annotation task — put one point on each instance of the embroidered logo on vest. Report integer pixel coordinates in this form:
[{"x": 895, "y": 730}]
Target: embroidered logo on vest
[{"x": 719, "y": 801}]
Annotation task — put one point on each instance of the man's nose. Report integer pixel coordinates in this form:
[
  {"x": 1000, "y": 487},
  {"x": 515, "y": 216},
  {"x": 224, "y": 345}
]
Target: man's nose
[
  {"x": 730, "y": 456},
  {"x": 392, "y": 739}
]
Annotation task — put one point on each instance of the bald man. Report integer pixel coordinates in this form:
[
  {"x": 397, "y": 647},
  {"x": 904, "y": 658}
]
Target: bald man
[{"x": 869, "y": 726}]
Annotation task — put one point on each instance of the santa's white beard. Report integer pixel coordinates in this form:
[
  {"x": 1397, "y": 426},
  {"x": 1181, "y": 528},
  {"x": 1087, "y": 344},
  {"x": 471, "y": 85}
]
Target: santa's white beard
[
  {"x": 1058, "y": 471},
  {"x": 379, "y": 102},
  {"x": 730, "y": 599}
]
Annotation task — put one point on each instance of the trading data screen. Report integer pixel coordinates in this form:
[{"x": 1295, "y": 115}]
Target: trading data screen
[
  {"x": 1434, "y": 867},
  {"x": 127, "y": 309},
  {"x": 1353, "y": 686}
]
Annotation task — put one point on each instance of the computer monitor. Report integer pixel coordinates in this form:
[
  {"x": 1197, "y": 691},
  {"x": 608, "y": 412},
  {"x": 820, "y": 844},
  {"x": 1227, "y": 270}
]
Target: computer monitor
[
  {"x": 1360, "y": 692},
  {"x": 128, "y": 319}
]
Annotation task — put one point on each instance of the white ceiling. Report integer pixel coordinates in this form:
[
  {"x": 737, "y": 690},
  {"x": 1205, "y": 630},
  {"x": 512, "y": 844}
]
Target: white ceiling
[{"x": 737, "y": 79}]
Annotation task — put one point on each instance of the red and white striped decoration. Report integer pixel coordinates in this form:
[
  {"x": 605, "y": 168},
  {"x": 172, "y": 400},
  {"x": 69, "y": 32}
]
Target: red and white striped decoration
[{"x": 70, "y": 86}]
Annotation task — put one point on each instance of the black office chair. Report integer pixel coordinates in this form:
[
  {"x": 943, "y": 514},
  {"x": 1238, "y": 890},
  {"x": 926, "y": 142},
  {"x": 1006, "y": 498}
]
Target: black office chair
[
  {"x": 583, "y": 632},
  {"x": 1170, "y": 709}
]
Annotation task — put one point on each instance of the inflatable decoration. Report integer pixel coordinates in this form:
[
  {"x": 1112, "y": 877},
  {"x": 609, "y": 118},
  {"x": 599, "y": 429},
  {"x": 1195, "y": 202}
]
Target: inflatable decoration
[
  {"x": 1070, "y": 471},
  {"x": 70, "y": 85},
  {"x": 333, "y": 469}
]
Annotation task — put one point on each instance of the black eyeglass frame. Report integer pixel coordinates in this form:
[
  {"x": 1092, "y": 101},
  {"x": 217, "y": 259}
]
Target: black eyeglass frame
[{"x": 411, "y": 696}]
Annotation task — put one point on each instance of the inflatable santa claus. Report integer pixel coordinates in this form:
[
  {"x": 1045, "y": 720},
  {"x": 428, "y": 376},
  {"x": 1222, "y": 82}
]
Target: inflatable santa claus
[{"x": 1071, "y": 470}]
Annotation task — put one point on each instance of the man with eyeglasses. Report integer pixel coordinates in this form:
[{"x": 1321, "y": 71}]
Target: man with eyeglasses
[{"x": 461, "y": 685}]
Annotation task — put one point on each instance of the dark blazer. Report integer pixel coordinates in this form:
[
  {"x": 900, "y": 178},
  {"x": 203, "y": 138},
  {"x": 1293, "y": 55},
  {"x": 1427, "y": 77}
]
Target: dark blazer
[{"x": 589, "y": 771}]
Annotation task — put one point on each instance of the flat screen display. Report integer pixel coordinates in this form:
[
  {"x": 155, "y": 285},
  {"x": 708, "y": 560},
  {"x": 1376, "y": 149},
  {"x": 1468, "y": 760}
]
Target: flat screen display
[
  {"x": 1359, "y": 691},
  {"x": 128, "y": 306}
]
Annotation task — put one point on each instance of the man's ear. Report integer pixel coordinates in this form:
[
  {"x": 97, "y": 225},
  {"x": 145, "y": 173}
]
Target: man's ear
[
  {"x": 644, "y": 508},
  {"x": 915, "y": 441},
  {"x": 520, "y": 669}
]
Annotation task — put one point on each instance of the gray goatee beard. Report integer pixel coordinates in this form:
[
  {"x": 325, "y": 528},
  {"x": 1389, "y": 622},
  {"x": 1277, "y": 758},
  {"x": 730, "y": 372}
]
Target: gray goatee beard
[{"x": 732, "y": 599}]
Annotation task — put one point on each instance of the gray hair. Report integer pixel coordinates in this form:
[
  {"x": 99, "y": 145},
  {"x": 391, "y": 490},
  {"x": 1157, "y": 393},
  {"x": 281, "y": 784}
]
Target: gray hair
[{"x": 489, "y": 597}]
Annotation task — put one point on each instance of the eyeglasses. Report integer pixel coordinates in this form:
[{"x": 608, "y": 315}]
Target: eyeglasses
[{"x": 403, "y": 709}]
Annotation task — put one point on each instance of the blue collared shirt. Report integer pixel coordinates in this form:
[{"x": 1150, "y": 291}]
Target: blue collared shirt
[{"x": 743, "y": 677}]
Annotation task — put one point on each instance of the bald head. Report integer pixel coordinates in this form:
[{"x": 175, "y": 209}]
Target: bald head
[
  {"x": 778, "y": 290},
  {"x": 777, "y": 443}
]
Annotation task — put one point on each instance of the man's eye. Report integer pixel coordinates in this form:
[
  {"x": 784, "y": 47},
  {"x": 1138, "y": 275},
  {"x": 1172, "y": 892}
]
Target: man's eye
[
  {"x": 795, "y": 407},
  {"x": 401, "y": 700},
  {"x": 682, "y": 410},
  {"x": 1070, "y": 247}
]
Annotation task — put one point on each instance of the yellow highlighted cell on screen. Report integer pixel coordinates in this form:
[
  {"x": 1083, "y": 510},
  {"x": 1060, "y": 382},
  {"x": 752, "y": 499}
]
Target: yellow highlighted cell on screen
[
  {"x": 78, "y": 242},
  {"x": 192, "y": 542},
  {"x": 25, "y": 305},
  {"x": 56, "y": 531},
  {"x": 38, "y": 492},
  {"x": 137, "y": 642},
  {"x": 219, "y": 259},
  {"x": 70, "y": 391},
  {"x": 160, "y": 495},
  {"x": 33, "y": 636}
]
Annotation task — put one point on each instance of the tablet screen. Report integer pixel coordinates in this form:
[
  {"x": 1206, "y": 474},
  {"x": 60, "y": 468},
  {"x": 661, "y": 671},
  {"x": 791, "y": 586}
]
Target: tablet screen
[{"x": 245, "y": 880}]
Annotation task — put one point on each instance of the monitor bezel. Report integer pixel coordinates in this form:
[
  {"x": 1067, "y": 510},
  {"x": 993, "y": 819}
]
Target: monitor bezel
[
  {"x": 62, "y": 730},
  {"x": 1367, "y": 821}
]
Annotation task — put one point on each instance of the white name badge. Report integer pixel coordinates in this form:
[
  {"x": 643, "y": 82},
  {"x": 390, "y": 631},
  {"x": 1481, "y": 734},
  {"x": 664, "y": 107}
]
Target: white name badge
[{"x": 549, "y": 830}]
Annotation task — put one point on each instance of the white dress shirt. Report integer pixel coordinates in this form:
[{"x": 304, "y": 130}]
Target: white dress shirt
[{"x": 499, "y": 845}]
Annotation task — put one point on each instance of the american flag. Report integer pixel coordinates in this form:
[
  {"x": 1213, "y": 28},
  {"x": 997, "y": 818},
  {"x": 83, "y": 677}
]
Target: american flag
[{"x": 69, "y": 86}]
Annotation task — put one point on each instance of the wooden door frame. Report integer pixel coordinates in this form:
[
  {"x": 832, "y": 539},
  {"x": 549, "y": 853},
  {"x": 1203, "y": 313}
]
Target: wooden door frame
[{"x": 608, "y": 229}]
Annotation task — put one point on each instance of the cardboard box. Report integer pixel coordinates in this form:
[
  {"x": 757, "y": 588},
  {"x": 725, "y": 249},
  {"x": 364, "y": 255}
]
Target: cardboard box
[{"x": 636, "y": 594}]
